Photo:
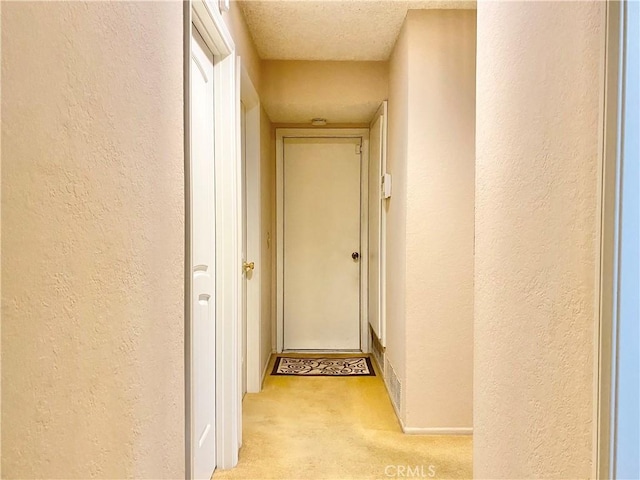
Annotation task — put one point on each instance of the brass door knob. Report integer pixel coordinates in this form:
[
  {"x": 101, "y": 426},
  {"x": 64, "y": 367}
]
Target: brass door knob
[{"x": 247, "y": 267}]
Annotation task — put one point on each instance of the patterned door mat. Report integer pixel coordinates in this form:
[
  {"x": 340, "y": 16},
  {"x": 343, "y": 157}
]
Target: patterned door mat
[{"x": 323, "y": 367}]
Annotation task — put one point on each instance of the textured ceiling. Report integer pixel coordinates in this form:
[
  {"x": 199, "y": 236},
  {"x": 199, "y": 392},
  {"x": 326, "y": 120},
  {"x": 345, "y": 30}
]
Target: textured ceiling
[{"x": 331, "y": 29}]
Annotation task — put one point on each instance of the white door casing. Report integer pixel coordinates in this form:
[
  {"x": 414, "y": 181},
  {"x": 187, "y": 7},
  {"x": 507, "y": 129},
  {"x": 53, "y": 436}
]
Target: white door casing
[
  {"x": 245, "y": 259},
  {"x": 377, "y": 223},
  {"x": 618, "y": 434},
  {"x": 203, "y": 259},
  {"x": 320, "y": 286},
  {"x": 252, "y": 225},
  {"x": 228, "y": 264},
  {"x": 321, "y": 233}
]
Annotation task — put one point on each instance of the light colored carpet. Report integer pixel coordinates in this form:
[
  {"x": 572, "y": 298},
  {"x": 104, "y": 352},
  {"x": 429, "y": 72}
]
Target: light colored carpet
[{"x": 340, "y": 428}]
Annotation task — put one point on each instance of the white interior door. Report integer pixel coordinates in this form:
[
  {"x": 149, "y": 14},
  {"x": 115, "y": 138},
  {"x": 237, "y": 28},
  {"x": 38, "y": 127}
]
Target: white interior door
[
  {"x": 203, "y": 439},
  {"x": 321, "y": 304}
]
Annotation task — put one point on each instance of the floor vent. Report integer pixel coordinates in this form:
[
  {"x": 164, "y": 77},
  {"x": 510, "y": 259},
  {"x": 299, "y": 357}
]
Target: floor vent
[{"x": 393, "y": 385}]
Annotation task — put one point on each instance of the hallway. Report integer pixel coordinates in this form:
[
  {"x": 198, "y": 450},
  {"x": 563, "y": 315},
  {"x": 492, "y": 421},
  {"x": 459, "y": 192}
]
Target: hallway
[
  {"x": 337, "y": 428},
  {"x": 173, "y": 214}
]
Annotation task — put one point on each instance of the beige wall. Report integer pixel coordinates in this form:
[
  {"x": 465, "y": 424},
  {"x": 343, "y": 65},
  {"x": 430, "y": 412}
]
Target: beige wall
[
  {"x": 440, "y": 209},
  {"x": 539, "y": 86},
  {"x": 396, "y": 210},
  {"x": 430, "y": 217},
  {"x": 93, "y": 246},
  {"x": 341, "y": 92}
]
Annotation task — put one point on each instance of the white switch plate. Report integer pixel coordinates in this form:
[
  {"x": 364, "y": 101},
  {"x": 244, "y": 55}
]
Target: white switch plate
[{"x": 386, "y": 185}]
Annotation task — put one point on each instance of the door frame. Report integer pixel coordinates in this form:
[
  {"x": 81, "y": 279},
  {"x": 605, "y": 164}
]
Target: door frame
[
  {"x": 611, "y": 177},
  {"x": 207, "y": 19},
  {"x": 281, "y": 134},
  {"x": 382, "y": 112},
  {"x": 249, "y": 97},
  {"x": 607, "y": 268}
]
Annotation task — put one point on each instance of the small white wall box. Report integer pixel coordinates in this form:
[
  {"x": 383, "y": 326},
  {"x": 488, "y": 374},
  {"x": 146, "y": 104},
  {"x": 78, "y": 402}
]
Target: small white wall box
[
  {"x": 386, "y": 185},
  {"x": 224, "y": 5}
]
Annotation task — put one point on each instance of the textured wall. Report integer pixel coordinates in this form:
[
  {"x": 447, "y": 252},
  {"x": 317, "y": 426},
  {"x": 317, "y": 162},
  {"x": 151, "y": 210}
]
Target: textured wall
[
  {"x": 93, "y": 246},
  {"x": 440, "y": 216},
  {"x": 430, "y": 217},
  {"x": 539, "y": 85},
  {"x": 396, "y": 209},
  {"x": 341, "y": 92}
]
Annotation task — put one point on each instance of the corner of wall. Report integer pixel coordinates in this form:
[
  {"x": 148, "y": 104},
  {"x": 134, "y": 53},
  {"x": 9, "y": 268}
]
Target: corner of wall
[
  {"x": 431, "y": 154},
  {"x": 440, "y": 219},
  {"x": 396, "y": 215}
]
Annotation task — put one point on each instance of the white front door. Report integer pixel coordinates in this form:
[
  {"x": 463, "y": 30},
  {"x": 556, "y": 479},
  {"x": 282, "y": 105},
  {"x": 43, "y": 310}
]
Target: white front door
[
  {"x": 321, "y": 243},
  {"x": 203, "y": 439}
]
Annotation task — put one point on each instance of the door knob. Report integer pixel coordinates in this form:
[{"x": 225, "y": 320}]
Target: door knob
[
  {"x": 355, "y": 255},
  {"x": 247, "y": 267}
]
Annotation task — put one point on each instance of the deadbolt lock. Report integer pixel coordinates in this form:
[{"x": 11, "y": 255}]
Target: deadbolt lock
[{"x": 355, "y": 255}]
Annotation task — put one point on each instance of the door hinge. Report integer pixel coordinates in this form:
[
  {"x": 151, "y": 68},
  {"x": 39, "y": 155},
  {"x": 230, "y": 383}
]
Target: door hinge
[{"x": 358, "y": 149}]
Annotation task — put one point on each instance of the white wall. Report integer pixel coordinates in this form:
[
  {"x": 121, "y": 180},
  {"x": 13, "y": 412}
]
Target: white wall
[
  {"x": 430, "y": 217},
  {"x": 93, "y": 240},
  {"x": 538, "y": 106}
]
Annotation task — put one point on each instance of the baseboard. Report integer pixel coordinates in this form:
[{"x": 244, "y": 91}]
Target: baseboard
[
  {"x": 395, "y": 409},
  {"x": 264, "y": 372},
  {"x": 437, "y": 430},
  {"x": 419, "y": 430}
]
